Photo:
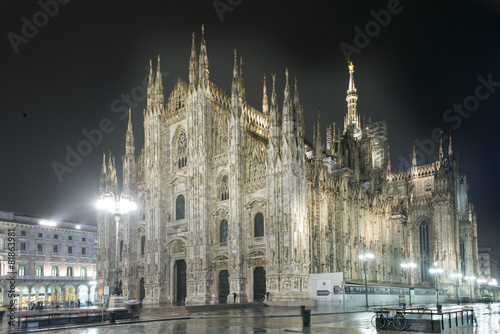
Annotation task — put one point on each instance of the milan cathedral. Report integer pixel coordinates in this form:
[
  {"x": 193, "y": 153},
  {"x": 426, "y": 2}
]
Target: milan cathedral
[{"x": 235, "y": 200}]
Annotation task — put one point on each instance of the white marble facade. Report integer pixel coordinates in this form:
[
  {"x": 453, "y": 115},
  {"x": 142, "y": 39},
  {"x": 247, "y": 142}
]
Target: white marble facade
[{"x": 236, "y": 200}]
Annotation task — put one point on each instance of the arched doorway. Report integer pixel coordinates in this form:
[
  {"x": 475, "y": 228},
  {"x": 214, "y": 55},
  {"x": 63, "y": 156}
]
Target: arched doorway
[
  {"x": 259, "y": 284},
  {"x": 142, "y": 290},
  {"x": 180, "y": 281},
  {"x": 223, "y": 286}
]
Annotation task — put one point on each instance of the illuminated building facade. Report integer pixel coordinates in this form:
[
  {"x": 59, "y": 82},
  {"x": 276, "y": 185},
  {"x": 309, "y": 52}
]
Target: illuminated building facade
[
  {"x": 55, "y": 261},
  {"x": 236, "y": 200}
]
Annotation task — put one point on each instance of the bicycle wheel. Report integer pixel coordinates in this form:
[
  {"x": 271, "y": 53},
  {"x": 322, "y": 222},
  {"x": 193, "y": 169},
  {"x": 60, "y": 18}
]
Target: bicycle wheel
[
  {"x": 399, "y": 322},
  {"x": 378, "y": 322}
]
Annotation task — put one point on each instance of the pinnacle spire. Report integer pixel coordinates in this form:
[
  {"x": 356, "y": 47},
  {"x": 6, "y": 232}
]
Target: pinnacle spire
[
  {"x": 265, "y": 102},
  {"x": 296, "y": 95},
  {"x": 274, "y": 117},
  {"x": 450, "y": 148},
  {"x": 388, "y": 159},
  {"x": 287, "y": 86},
  {"x": 351, "y": 121},
  {"x": 441, "y": 153},
  {"x": 319, "y": 141},
  {"x": 103, "y": 169},
  {"x": 159, "y": 85},
  {"x": 235, "y": 86},
  {"x": 129, "y": 140},
  {"x": 288, "y": 126},
  {"x": 203, "y": 61},
  {"x": 414, "y": 156},
  {"x": 242, "y": 80},
  {"x": 151, "y": 85},
  {"x": 193, "y": 69}
]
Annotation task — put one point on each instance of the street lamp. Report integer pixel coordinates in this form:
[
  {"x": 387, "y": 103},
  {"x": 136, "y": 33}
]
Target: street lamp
[
  {"x": 470, "y": 279},
  {"x": 365, "y": 256},
  {"x": 457, "y": 276},
  {"x": 436, "y": 271},
  {"x": 408, "y": 264},
  {"x": 481, "y": 281},
  {"x": 117, "y": 206}
]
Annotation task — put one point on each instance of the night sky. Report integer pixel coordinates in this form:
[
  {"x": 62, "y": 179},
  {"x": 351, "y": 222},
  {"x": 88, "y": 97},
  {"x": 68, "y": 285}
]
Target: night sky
[{"x": 78, "y": 66}]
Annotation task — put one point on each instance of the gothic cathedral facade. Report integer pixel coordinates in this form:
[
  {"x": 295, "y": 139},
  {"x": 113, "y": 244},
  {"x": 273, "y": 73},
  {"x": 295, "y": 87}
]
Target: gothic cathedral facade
[{"x": 235, "y": 200}]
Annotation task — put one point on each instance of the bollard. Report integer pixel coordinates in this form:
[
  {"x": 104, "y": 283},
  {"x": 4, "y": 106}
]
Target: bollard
[
  {"x": 306, "y": 318},
  {"x": 112, "y": 317}
]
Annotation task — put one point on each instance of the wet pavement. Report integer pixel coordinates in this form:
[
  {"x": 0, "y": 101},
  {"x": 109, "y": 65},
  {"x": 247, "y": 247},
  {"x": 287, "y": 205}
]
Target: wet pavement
[{"x": 261, "y": 319}]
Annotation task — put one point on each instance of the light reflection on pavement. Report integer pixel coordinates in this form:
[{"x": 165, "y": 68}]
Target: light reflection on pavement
[{"x": 247, "y": 321}]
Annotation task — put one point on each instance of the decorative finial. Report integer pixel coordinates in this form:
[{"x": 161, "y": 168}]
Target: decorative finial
[{"x": 351, "y": 66}]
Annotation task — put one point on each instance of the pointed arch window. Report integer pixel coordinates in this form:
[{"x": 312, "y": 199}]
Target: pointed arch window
[
  {"x": 223, "y": 231},
  {"x": 258, "y": 226},
  {"x": 223, "y": 189},
  {"x": 22, "y": 270},
  {"x": 425, "y": 254},
  {"x": 180, "y": 207},
  {"x": 69, "y": 272},
  {"x": 143, "y": 244},
  {"x": 55, "y": 271},
  {"x": 83, "y": 272},
  {"x": 182, "y": 151}
]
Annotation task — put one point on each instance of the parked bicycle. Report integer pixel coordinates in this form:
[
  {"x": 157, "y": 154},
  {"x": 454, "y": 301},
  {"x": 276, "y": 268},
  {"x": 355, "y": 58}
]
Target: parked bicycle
[{"x": 382, "y": 320}]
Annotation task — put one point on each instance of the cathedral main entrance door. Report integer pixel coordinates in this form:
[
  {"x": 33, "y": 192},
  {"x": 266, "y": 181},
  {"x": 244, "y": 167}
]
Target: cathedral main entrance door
[
  {"x": 223, "y": 286},
  {"x": 180, "y": 281},
  {"x": 142, "y": 290},
  {"x": 259, "y": 284}
]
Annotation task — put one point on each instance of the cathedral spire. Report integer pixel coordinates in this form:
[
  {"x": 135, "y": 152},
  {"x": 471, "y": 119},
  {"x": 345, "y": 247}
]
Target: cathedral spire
[
  {"x": 103, "y": 174},
  {"x": 274, "y": 121},
  {"x": 265, "y": 102},
  {"x": 103, "y": 169},
  {"x": 388, "y": 159},
  {"x": 414, "y": 156},
  {"x": 193, "y": 68},
  {"x": 151, "y": 86},
  {"x": 299, "y": 115},
  {"x": 287, "y": 108},
  {"x": 450, "y": 148},
  {"x": 242, "y": 80},
  {"x": 319, "y": 141},
  {"x": 296, "y": 95},
  {"x": 235, "y": 86},
  {"x": 159, "y": 86},
  {"x": 129, "y": 140},
  {"x": 351, "y": 121},
  {"x": 203, "y": 61},
  {"x": 461, "y": 163},
  {"x": 441, "y": 153}
]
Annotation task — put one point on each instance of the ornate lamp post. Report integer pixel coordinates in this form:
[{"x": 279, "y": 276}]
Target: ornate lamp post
[
  {"x": 470, "y": 279},
  {"x": 457, "y": 276},
  {"x": 118, "y": 206},
  {"x": 436, "y": 271},
  {"x": 408, "y": 264},
  {"x": 365, "y": 256}
]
